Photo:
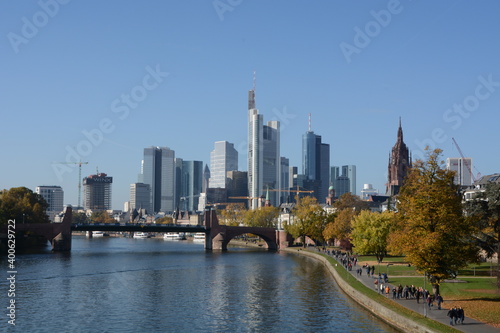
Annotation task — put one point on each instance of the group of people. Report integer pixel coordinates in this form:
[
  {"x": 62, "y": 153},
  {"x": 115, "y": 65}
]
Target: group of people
[{"x": 456, "y": 315}]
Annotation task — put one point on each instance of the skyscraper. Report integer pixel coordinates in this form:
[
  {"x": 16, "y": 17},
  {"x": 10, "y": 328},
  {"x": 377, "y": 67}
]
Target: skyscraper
[
  {"x": 158, "y": 170},
  {"x": 191, "y": 185},
  {"x": 97, "y": 192},
  {"x": 343, "y": 179},
  {"x": 272, "y": 161},
  {"x": 284, "y": 193},
  {"x": 399, "y": 164},
  {"x": 223, "y": 158},
  {"x": 140, "y": 195},
  {"x": 263, "y": 154},
  {"x": 350, "y": 172},
  {"x": 316, "y": 164},
  {"x": 462, "y": 168},
  {"x": 255, "y": 151}
]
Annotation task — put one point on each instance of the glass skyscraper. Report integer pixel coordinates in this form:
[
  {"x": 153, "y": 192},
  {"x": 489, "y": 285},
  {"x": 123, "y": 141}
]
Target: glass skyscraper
[
  {"x": 223, "y": 158},
  {"x": 316, "y": 165},
  {"x": 159, "y": 172}
]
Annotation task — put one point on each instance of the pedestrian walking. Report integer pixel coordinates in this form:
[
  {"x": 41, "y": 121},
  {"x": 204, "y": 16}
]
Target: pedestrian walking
[
  {"x": 452, "y": 313},
  {"x": 439, "y": 300},
  {"x": 460, "y": 315}
]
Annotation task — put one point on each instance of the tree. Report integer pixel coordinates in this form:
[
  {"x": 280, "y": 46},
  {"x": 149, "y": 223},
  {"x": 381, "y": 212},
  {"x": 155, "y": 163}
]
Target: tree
[
  {"x": 339, "y": 225},
  {"x": 165, "y": 220},
  {"x": 348, "y": 200},
  {"x": 370, "y": 231},
  {"x": 101, "y": 216},
  {"x": 23, "y": 205},
  {"x": 484, "y": 212},
  {"x": 430, "y": 228},
  {"x": 264, "y": 217},
  {"x": 80, "y": 218},
  {"x": 233, "y": 215},
  {"x": 307, "y": 218}
]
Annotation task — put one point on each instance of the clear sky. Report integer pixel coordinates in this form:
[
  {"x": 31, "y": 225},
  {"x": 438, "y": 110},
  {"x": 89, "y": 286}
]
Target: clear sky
[{"x": 101, "y": 80}]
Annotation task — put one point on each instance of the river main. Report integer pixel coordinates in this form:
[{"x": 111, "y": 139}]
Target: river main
[{"x": 151, "y": 285}]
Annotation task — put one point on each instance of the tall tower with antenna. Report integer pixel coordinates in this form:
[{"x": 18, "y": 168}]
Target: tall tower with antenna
[{"x": 255, "y": 148}]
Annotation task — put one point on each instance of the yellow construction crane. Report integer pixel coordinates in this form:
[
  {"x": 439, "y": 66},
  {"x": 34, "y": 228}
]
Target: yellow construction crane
[{"x": 79, "y": 177}]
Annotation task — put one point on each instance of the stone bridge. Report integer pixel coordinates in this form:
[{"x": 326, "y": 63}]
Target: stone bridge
[{"x": 218, "y": 236}]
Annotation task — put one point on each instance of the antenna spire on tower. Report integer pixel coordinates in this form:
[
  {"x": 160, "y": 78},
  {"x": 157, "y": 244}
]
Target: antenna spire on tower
[
  {"x": 309, "y": 122},
  {"x": 254, "y": 80}
]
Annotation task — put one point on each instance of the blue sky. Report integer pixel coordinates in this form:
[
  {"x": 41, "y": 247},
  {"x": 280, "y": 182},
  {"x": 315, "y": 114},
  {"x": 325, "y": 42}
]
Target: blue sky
[{"x": 186, "y": 66}]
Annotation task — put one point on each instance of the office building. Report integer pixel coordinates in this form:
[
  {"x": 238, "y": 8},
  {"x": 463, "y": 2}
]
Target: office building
[
  {"x": 263, "y": 155},
  {"x": 140, "y": 195},
  {"x": 272, "y": 162},
  {"x": 97, "y": 192},
  {"x": 316, "y": 164},
  {"x": 223, "y": 158},
  {"x": 462, "y": 168},
  {"x": 255, "y": 151},
  {"x": 284, "y": 193},
  {"x": 343, "y": 179},
  {"x": 54, "y": 196},
  {"x": 158, "y": 171},
  {"x": 349, "y": 171},
  {"x": 191, "y": 185}
]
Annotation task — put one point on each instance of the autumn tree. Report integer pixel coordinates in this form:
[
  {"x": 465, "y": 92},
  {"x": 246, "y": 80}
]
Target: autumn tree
[
  {"x": 484, "y": 212},
  {"x": 233, "y": 215},
  {"x": 165, "y": 220},
  {"x": 370, "y": 231},
  {"x": 351, "y": 201},
  {"x": 339, "y": 226},
  {"x": 101, "y": 216},
  {"x": 23, "y": 205},
  {"x": 265, "y": 217},
  {"x": 430, "y": 228},
  {"x": 307, "y": 214}
]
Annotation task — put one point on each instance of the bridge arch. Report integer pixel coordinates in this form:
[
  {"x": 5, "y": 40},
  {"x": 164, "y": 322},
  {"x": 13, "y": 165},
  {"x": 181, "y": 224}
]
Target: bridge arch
[{"x": 219, "y": 236}]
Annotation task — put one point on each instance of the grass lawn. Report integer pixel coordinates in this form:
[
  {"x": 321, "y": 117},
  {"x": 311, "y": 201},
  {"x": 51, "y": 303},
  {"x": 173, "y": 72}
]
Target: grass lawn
[{"x": 475, "y": 291}]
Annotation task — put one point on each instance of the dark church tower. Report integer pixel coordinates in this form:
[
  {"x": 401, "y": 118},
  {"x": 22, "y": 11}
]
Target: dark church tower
[{"x": 399, "y": 164}]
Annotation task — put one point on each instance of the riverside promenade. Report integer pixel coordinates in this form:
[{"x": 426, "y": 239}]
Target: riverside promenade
[{"x": 469, "y": 326}]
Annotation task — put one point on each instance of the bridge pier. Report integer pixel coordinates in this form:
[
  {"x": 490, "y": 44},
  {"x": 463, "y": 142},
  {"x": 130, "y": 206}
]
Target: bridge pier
[{"x": 61, "y": 242}]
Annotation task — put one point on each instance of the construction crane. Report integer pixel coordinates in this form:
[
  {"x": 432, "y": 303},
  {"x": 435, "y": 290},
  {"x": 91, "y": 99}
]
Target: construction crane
[
  {"x": 466, "y": 164},
  {"x": 79, "y": 178}
]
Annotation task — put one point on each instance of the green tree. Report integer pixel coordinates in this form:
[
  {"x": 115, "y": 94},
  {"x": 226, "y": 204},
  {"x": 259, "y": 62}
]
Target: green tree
[
  {"x": 430, "y": 228},
  {"x": 484, "y": 212},
  {"x": 370, "y": 231},
  {"x": 80, "y": 218},
  {"x": 23, "y": 205}
]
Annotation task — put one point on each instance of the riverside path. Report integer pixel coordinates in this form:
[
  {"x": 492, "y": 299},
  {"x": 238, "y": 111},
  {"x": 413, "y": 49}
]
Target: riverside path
[{"x": 470, "y": 325}]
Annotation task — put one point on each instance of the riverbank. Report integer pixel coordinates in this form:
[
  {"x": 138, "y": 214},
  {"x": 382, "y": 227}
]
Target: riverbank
[{"x": 405, "y": 315}]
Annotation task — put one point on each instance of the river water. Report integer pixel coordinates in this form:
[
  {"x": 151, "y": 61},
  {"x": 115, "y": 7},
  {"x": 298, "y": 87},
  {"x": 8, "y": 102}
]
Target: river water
[{"x": 151, "y": 285}]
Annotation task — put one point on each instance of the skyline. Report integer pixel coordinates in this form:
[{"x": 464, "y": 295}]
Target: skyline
[{"x": 124, "y": 76}]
